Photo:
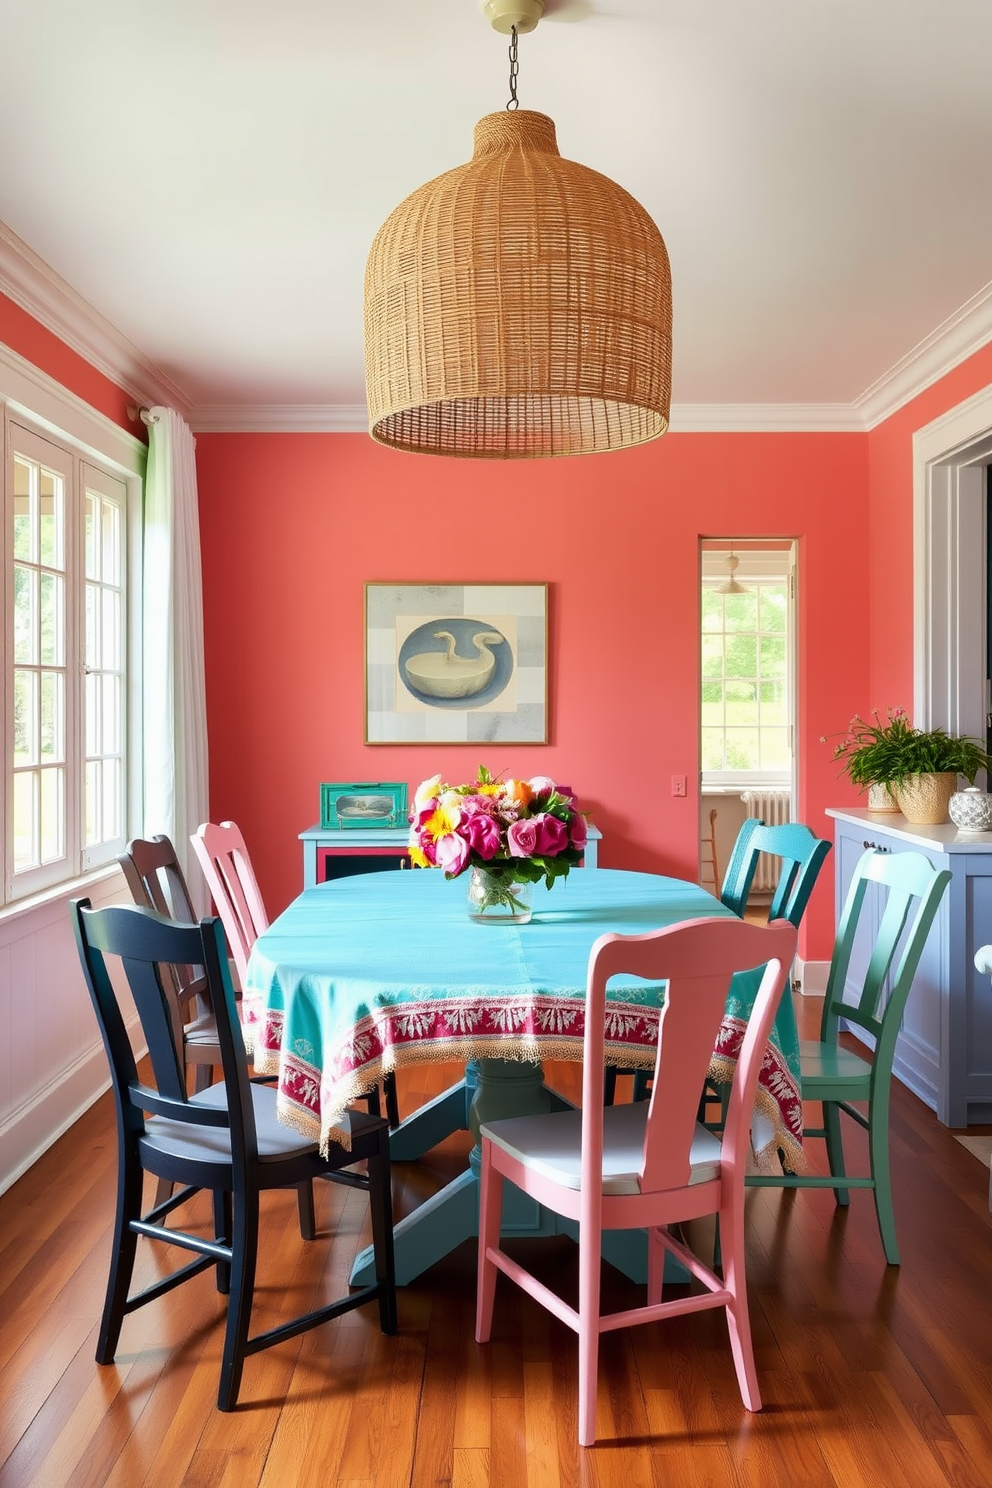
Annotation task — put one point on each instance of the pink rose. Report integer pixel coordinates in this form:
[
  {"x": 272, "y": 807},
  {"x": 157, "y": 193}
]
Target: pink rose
[
  {"x": 452, "y": 853},
  {"x": 552, "y": 835},
  {"x": 481, "y": 833},
  {"x": 578, "y": 831},
  {"x": 521, "y": 838},
  {"x": 541, "y": 784}
]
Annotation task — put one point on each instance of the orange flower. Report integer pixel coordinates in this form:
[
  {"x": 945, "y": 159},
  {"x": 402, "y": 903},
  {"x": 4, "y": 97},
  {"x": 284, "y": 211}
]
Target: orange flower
[{"x": 519, "y": 792}]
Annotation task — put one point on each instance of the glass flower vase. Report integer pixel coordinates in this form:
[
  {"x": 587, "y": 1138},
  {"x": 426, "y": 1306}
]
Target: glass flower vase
[{"x": 495, "y": 899}]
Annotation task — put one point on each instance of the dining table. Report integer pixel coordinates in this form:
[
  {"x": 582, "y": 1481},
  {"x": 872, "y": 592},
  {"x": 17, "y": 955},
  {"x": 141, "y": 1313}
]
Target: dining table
[{"x": 375, "y": 972}]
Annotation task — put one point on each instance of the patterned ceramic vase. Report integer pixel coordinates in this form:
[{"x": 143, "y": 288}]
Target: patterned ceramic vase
[
  {"x": 494, "y": 899},
  {"x": 971, "y": 810},
  {"x": 923, "y": 798}
]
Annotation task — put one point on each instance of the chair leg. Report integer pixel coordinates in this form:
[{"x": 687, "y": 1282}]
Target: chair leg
[
  {"x": 609, "y": 1085},
  {"x": 222, "y": 1231},
  {"x": 878, "y": 1151},
  {"x": 304, "y": 1202},
  {"x": 392, "y": 1104},
  {"x": 731, "y": 1221},
  {"x": 490, "y": 1223},
  {"x": 835, "y": 1149},
  {"x": 381, "y": 1207},
  {"x": 245, "y": 1247},
  {"x": 125, "y": 1244},
  {"x": 590, "y": 1271},
  {"x": 656, "y": 1267}
]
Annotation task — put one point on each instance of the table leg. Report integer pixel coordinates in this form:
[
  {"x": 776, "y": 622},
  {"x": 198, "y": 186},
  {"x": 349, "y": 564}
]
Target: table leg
[{"x": 503, "y": 1087}]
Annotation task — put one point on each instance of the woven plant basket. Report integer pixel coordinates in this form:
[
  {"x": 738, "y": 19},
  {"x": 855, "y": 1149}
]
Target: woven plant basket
[
  {"x": 880, "y": 798},
  {"x": 923, "y": 799},
  {"x": 516, "y": 307}
]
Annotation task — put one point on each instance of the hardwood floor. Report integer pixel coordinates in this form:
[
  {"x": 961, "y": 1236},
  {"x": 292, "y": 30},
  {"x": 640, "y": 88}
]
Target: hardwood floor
[{"x": 870, "y": 1375}]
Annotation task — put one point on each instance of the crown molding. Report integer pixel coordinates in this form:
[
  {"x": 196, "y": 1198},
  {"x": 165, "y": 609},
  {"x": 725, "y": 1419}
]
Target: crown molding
[
  {"x": 280, "y": 418},
  {"x": 959, "y": 337},
  {"x": 37, "y": 289}
]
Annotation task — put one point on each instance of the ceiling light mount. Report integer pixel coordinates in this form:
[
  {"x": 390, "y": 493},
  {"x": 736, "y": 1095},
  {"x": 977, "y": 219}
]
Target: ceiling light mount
[{"x": 506, "y": 15}]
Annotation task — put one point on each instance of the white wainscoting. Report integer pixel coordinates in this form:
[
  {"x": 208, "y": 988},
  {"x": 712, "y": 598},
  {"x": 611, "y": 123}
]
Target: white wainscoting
[{"x": 52, "y": 1063}]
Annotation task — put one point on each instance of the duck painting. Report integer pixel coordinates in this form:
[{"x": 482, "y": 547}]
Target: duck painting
[{"x": 445, "y": 674}]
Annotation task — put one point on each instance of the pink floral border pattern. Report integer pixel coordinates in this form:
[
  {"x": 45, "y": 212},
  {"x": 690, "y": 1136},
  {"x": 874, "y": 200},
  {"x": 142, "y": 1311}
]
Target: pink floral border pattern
[{"x": 313, "y": 1094}]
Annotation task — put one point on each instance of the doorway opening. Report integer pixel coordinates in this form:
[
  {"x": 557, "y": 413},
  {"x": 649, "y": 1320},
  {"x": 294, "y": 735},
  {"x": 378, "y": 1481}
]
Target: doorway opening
[{"x": 748, "y": 686}]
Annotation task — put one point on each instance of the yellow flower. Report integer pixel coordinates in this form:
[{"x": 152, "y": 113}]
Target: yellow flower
[
  {"x": 417, "y": 856},
  {"x": 426, "y": 792},
  {"x": 444, "y": 820}
]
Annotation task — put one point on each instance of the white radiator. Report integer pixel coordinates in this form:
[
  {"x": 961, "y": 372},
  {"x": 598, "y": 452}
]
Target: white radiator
[{"x": 773, "y": 807}]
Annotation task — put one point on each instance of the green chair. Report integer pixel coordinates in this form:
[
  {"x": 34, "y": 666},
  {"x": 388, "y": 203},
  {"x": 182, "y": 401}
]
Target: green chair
[
  {"x": 903, "y": 891},
  {"x": 802, "y": 857}
]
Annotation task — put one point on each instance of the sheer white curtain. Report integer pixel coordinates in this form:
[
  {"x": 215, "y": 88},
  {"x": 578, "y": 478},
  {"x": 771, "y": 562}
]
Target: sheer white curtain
[{"x": 173, "y": 685}]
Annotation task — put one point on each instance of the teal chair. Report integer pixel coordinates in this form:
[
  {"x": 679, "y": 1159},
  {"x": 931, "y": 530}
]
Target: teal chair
[
  {"x": 801, "y": 855},
  {"x": 903, "y": 891}
]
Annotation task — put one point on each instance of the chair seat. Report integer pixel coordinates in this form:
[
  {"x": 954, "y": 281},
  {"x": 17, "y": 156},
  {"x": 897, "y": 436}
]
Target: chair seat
[
  {"x": 213, "y": 1144},
  {"x": 551, "y": 1145},
  {"x": 828, "y": 1064}
]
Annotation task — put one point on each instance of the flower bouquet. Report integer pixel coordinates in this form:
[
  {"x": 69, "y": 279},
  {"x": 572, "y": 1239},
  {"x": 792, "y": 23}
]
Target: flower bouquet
[{"x": 509, "y": 833}]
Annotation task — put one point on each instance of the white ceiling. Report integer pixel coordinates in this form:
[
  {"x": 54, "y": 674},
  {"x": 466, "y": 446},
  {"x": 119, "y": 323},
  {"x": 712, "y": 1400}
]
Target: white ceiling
[{"x": 208, "y": 175}]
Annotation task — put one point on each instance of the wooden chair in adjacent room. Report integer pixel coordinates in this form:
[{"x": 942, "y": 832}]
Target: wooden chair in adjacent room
[
  {"x": 225, "y": 1140},
  {"x": 648, "y": 1165},
  {"x": 223, "y": 856},
  {"x": 902, "y": 892}
]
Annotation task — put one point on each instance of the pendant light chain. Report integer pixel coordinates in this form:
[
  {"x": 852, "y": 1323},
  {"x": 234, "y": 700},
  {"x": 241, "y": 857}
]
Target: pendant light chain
[{"x": 513, "y": 102}]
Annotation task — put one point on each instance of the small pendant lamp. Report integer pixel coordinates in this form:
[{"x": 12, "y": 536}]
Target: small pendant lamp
[
  {"x": 731, "y": 584},
  {"x": 519, "y": 306}
]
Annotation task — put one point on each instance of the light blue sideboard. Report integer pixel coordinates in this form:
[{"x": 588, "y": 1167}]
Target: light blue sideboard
[{"x": 944, "y": 1050}]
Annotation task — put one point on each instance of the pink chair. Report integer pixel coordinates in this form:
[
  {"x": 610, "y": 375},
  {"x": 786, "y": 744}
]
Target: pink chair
[
  {"x": 223, "y": 856},
  {"x": 650, "y": 1164}
]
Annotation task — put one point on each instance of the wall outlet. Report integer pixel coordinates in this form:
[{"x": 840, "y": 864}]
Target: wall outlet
[{"x": 678, "y": 785}]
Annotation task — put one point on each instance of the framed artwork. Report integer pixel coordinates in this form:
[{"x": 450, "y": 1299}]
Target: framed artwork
[
  {"x": 456, "y": 663},
  {"x": 362, "y": 803}
]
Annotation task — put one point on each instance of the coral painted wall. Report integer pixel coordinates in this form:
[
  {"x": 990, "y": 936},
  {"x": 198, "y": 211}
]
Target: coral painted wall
[
  {"x": 294, "y": 525},
  {"x": 42, "y": 349}
]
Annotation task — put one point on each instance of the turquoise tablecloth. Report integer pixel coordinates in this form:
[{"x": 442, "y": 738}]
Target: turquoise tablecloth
[{"x": 372, "y": 972}]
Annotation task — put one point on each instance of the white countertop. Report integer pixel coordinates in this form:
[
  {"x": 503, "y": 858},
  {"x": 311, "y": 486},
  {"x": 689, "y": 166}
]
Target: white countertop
[{"x": 944, "y": 838}]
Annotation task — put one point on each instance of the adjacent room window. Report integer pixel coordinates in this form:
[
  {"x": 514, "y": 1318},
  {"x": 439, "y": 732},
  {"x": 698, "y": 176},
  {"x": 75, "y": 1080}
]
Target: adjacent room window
[
  {"x": 64, "y": 571},
  {"x": 747, "y": 664}
]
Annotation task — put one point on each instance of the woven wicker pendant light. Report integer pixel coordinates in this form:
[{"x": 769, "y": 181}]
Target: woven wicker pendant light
[{"x": 517, "y": 307}]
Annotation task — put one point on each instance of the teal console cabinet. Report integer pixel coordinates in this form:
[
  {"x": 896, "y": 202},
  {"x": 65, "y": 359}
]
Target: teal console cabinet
[{"x": 944, "y": 1050}]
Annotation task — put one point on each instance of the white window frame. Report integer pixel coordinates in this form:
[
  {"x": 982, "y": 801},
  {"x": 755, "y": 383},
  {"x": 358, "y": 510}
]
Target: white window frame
[
  {"x": 759, "y": 562},
  {"x": 32, "y": 401}
]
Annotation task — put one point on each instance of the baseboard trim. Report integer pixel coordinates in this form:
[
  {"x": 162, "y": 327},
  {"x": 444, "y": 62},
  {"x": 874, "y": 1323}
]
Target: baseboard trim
[{"x": 811, "y": 977}]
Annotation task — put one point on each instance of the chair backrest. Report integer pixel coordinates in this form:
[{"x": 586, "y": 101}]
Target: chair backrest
[
  {"x": 223, "y": 856},
  {"x": 698, "y": 959},
  {"x": 154, "y": 875},
  {"x": 913, "y": 891},
  {"x": 146, "y": 943},
  {"x": 802, "y": 857}
]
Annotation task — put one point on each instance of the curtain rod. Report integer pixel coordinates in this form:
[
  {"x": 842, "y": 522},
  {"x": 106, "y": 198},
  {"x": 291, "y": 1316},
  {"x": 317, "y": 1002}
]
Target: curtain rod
[{"x": 146, "y": 416}]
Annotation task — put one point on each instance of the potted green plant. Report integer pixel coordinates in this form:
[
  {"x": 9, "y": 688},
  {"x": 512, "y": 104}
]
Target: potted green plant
[{"x": 920, "y": 767}]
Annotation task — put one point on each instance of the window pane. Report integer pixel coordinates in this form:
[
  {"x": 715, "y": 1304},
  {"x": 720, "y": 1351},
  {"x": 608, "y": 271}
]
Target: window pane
[
  {"x": 92, "y": 542},
  {"x": 91, "y": 710},
  {"x": 774, "y": 607},
  {"x": 111, "y": 715},
  {"x": 742, "y": 749},
  {"x": 111, "y": 800},
  {"x": 52, "y": 717},
  {"x": 52, "y": 814},
  {"x": 712, "y": 610},
  {"x": 52, "y": 628},
  {"x": 742, "y": 656},
  {"x": 92, "y": 623},
  {"x": 774, "y": 703},
  {"x": 111, "y": 533},
  {"x": 775, "y": 749},
  {"x": 712, "y": 656},
  {"x": 23, "y": 520},
  {"x": 741, "y": 611},
  {"x": 772, "y": 656},
  {"x": 50, "y": 507},
  {"x": 26, "y": 854},
  {"x": 711, "y": 748},
  {"x": 25, "y": 718},
  {"x": 110, "y": 635},
  {"x": 25, "y": 614}
]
